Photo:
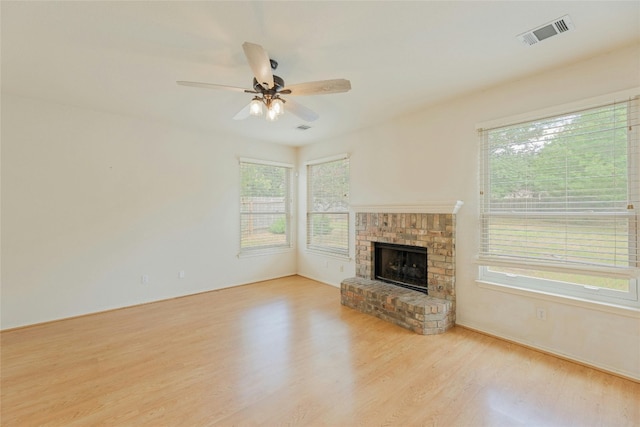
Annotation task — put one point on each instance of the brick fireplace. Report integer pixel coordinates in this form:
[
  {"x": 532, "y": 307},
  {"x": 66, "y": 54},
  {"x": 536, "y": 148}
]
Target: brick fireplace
[{"x": 431, "y": 226}]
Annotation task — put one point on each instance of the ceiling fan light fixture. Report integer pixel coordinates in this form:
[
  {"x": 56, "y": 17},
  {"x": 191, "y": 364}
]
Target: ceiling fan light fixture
[
  {"x": 255, "y": 108},
  {"x": 272, "y": 114},
  {"x": 278, "y": 106}
]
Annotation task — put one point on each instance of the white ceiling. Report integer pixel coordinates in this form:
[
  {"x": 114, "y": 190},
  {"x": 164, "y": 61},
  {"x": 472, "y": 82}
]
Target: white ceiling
[{"x": 125, "y": 57}]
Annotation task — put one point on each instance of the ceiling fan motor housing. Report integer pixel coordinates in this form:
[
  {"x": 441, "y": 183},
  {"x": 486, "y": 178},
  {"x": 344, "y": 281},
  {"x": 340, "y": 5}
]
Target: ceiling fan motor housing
[{"x": 278, "y": 85}]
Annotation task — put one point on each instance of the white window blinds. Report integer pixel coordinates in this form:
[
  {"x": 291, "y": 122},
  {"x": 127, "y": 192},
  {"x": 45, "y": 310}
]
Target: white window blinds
[
  {"x": 328, "y": 206},
  {"x": 563, "y": 191},
  {"x": 265, "y": 200}
]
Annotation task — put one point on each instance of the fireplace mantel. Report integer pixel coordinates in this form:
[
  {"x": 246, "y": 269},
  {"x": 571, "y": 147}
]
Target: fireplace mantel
[{"x": 446, "y": 207}]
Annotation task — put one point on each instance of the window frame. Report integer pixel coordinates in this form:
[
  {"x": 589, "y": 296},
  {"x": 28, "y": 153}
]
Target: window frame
[
  {"x": 319, "y": 248},
  {"x": 559, "y": 288},
  {"x": 269, "y": 248}
]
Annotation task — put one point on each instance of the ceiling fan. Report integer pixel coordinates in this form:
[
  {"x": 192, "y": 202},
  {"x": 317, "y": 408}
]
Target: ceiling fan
[{"x": 268, "y": 88}]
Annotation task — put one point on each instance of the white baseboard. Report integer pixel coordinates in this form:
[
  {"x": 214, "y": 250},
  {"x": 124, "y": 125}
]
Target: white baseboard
[
  {"x": 633, "y": 376},
  {"x": 317, "y": 280}
]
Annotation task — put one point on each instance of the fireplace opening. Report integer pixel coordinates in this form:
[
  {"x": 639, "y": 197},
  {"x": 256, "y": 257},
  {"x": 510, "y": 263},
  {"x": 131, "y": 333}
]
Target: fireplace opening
[{"x": 401, "y": 265}]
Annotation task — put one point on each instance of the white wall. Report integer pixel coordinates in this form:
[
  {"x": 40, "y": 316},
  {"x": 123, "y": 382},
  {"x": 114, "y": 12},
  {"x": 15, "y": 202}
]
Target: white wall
[
  {"x": 91, "y": 201},
  {"x": 433, "y": 156}
]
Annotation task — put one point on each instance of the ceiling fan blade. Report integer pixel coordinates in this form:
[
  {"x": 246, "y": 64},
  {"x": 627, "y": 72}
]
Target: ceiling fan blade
[
  {"x": 320, "y": 87},
  {"x": 243, "y": 114},
  {"x": 300, "y": 110},
  {"x": 214, "y": 86},
  {"x": 259, "y": 62}
]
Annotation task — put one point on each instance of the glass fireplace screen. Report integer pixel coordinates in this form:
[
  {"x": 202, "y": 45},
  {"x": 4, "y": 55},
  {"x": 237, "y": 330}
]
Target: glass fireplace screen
[{"x": 401, "y": 265}]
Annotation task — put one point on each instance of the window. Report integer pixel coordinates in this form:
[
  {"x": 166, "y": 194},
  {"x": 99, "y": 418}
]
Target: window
[
  {"x": 265, "y": 205},
  {"x": 559, "y": 204},
  {"x": 328, "y": 206}
]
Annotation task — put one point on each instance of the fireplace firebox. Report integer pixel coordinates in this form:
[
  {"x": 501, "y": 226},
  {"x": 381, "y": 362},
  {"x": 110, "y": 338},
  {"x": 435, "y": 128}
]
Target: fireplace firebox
[{"x": 401, "y": 265}]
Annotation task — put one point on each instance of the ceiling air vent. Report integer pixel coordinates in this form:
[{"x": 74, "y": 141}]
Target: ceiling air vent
[
  {"x": 553, "y": 28},
  {"x": 303, "y": 127}
]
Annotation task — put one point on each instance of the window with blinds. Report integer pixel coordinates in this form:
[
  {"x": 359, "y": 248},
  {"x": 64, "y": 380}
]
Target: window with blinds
[
  {"x": 265, "y": 205},
  {"x": 328, "y": 206},
  {"x": 559, "y": 203}
]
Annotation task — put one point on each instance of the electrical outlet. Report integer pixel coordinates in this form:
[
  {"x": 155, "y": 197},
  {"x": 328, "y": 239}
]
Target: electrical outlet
[
  {"x": 144, "y": 279},
  {"x": 541, "y": 314},
  {"x": 181, "y": 274}
]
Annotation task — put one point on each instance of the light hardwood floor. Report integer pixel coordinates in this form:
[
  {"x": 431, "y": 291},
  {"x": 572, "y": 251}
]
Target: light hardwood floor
[{"x": 285, "y": 352}]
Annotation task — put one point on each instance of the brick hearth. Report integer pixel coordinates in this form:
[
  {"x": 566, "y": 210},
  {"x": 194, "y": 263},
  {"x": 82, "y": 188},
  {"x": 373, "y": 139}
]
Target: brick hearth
[{"x": 401, "y": 306}]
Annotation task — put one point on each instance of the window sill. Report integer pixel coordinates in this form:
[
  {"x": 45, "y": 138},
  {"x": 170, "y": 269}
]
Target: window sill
[
  {"x": 328, "y": 254},
  {"x": 620, "y": 310}
]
